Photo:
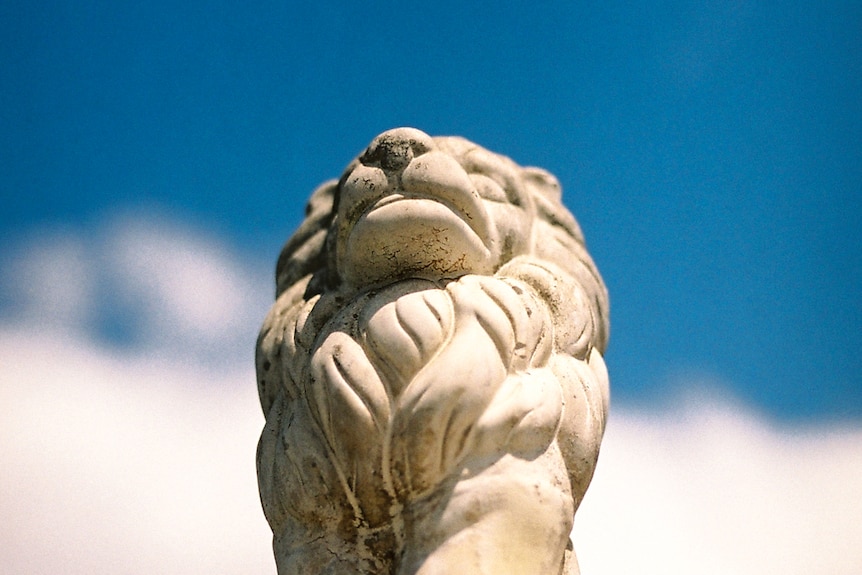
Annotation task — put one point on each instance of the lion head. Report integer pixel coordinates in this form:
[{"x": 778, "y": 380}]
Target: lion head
[{"x": 413, "y": 206}]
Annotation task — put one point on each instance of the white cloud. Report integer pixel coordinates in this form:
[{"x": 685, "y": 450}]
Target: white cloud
[
  {"x": 710, "y": 488},
  {"x": 143, "y": 280},
  {"x": 113, "y": 465},
  {"x": 190, "y": 287},
  {"x": 51, "y": 280},
  {"x": 141, "y": 460},
  {"x": 134, "y": 458}
]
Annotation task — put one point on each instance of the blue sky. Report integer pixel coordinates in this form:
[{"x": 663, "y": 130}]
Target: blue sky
[
  {"x": 711, "y": 151},
  {"x": 154, "y": 157}
]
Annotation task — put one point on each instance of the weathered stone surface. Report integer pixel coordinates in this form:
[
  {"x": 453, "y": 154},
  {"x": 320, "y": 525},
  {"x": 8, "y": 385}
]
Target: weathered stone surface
[{"x": 431, "y": 372}]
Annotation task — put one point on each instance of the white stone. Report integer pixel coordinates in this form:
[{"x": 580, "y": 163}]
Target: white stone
[{"x": 431, "y": 372}]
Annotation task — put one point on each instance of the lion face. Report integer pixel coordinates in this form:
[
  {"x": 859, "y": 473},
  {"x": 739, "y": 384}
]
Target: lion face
[{"x": 431, "y": 208}]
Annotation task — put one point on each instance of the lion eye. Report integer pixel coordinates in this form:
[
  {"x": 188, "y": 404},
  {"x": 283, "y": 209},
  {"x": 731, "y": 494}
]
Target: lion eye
[{"x": 489, "y": 189}]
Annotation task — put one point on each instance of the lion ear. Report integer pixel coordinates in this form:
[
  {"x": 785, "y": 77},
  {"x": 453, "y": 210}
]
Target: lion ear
[
  {"x": 543, "y": 182},
  {"x": 548, "y": 196},
  {"x": 304, "y": 253}
]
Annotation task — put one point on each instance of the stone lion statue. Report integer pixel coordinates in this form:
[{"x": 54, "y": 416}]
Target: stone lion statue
[{"x": 431, "y": 372}]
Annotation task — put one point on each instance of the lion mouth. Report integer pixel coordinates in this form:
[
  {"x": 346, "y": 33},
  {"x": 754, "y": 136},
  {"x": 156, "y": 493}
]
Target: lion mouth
[
  {"x": 409, "y": 236},
  {"x": 413, "y": 206}
]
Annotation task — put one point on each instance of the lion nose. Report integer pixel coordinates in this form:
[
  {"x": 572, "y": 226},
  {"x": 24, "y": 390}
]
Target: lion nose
[{"x": 394, "y": 149}]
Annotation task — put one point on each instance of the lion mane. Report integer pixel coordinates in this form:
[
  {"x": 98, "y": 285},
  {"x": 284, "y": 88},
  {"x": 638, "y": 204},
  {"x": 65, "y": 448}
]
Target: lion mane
[{"x": 431, "y": 370}]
